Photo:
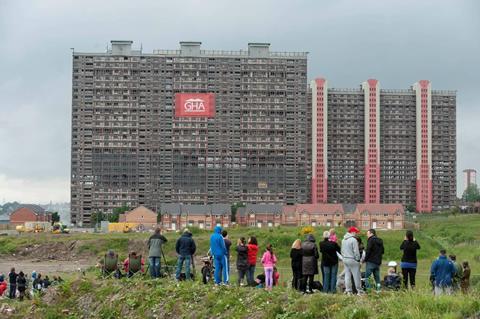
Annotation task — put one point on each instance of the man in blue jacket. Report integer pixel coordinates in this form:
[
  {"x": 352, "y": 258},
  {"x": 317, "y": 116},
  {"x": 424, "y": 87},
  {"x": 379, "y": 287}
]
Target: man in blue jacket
[
  {"x": 185, "y": 248},
  {"x": 442, "y": 271},
  {"x": 219, "y": 252}
]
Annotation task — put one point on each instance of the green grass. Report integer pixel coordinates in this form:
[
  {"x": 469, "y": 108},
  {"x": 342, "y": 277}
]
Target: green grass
[
  {"x": 143, "y": 298},
  {"x": 140, "y": 298}
]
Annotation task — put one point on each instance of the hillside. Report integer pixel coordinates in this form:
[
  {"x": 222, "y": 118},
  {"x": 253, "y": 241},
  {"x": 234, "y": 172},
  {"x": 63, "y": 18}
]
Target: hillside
[{"x": 143, "y": 298}]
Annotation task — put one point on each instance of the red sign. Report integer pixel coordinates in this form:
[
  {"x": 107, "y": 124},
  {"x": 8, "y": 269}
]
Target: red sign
[{"x": 194, "y": 105}]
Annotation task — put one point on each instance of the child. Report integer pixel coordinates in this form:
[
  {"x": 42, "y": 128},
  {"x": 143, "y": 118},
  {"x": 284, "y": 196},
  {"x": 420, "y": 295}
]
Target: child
[
  {"x": 392, "y": 279},
  {"x": 333, "y": 235},
  {"x": 276, "y": 276},
  {"x": 268, "y": 261},
  {"x": 260, "y": 281}
]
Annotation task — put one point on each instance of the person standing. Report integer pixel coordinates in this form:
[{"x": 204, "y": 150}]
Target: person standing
[
  {"x": 22, "y": 285},
  {"x": 268, "y": 261},
  {"x": 309, "y": 262},
  {"x": 373, "y": 258},
  {"x": 219, "y": 252},
  {"x": 252, "y": 260},
  {"x": 155, "y": 243},
  {"x": 12, "y": 279},
  {"x": 242, "y": 259},
  {"x": 465, "y": 283},
  {"x": 228, "y": 244},
  {"x": 3, "y": 285},
  {"x": 329, "y": 264},
  {"x": 296, "y": 256},
  {"x": 442, "y": 271},
  {"x": 185, "y": 248},
  {"x": 409, "y": 259},
  {"x": 351, "y": 260},
  {"x": 457, "y": 278}
]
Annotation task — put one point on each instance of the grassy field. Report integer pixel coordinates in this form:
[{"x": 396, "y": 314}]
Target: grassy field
[{"x": 144, "y": 298}]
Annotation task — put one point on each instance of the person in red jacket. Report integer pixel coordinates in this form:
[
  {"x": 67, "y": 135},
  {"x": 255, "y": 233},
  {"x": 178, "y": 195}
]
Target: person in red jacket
[
  {"x": 3, "y": 285},
  {"x": 252, "y": 259}
]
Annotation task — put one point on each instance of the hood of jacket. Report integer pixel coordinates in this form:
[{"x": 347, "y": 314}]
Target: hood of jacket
[
  {"x": 217, "y": 230},
  {"x": 348, "y": 235},
  {"x": 187, "y": 235},
  {"x": 310, "y": 238}
]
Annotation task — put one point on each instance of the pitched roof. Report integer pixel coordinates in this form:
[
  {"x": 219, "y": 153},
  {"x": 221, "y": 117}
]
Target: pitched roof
[
  {"x": 218, "y": 209},
  {"x": 349, "y": 208},
  {"x": 289, "y": 209},
  {"x": 263, "y": 208},
  {"x": 381, "y": 208},
  {"x": 320, "y": 208},
  {"x": 34, "y": 208},
  {"x": 171, "y": 208},
  {"x": 140, "y": 208},
  {"x": 194, "y": 209}
]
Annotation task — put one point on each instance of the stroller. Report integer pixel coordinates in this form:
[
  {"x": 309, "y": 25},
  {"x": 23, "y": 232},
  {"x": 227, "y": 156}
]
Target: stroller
[{"x": 207, "y": 269}]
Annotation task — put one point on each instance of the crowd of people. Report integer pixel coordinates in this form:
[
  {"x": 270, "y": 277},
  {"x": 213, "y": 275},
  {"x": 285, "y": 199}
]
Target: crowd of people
[
  {"x": 19, "y": 284},
  {"x": 446, "y": 275}
]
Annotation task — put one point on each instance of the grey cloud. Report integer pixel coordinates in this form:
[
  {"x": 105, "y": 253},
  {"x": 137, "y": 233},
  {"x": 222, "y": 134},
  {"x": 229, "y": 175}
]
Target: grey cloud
[{"x": 349, "y": 41}]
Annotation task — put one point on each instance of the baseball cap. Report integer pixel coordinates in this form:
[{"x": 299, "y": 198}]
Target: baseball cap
[
  {"x": 353, "y": 229},
  {"x": 392, "y": 264}
]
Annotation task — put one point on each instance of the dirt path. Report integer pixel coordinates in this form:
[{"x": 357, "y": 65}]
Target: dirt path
[{"x": 49, "y": 267}]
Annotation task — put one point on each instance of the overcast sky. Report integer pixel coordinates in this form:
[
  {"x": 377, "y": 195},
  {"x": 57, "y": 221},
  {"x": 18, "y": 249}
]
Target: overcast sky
[{"x": 397, "y": 42}]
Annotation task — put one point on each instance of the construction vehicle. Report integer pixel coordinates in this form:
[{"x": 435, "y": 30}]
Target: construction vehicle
[
  {"x": 33, "y": 227},
  {"x": 59, "y": 228}
]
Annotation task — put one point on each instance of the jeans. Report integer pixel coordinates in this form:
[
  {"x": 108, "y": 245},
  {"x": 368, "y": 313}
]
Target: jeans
[
  {"x": 241, "y": 274},
  {"x": 330, "y": 279},
  {"x": 352, "y": 268},
  {"x": 251, "y": 275},
  {"x": 187, "y": 260},
  {"x": 221, "y": 269},
  {"x": 372, "y": 269},
  {"x": 268, "y": 277},
  {"x": 409, "y": 272},
  {"x": 13, "y": 291},
  {"x": 154, "y": 263}
]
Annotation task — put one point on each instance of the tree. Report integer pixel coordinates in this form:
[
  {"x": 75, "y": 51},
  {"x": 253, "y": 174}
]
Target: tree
[
  {"x": 471, "y": 194},
  {"x": 55, "y": 217},
  {"x": 411, "y": 208},
  {"x": 114, "y": 217},
  {"x": 235, "y": 207},
  {"x": 97, "y": 217}
]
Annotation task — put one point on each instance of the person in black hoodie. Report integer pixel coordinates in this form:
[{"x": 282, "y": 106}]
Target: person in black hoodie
[
  {"x": 373, "y": 258},
  {"x": 329, "y": 250},
  {"x": 409, "y": 259},
  {"x": 242, "y": 259},
  {"x": 296, "y": 256},
  {"x": 12, "y": 278}
]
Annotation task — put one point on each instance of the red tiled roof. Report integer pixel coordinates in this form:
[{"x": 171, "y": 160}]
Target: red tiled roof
[
  {"x": 389, "y": 208},
  {"x": 319, "y": 208}
]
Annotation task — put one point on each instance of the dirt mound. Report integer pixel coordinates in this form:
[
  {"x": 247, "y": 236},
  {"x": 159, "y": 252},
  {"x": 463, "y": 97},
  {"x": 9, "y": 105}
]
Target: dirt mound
[{"x": 51, "y": 251}]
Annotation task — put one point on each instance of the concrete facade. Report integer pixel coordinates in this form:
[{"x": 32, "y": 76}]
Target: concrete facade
[
  {"x": 130, "y": 148},
  {"x": 384, "y": 146}
]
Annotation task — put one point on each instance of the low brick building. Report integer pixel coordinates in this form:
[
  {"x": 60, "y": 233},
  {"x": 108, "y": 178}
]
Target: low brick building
[
  {"x": 178, "y": 216},
  {"x": 29, "y": 213},
  {"x": 364, "y": 216},
  {"x": 260, "y": 215},
  {"x": 144, "y": 217}
]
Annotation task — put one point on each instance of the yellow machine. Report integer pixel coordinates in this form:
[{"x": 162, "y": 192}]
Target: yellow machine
[
  {"x": 121, "y": 227},
  {"x": 33, "y": 227},
  {"x": 59, "y": 228}
]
